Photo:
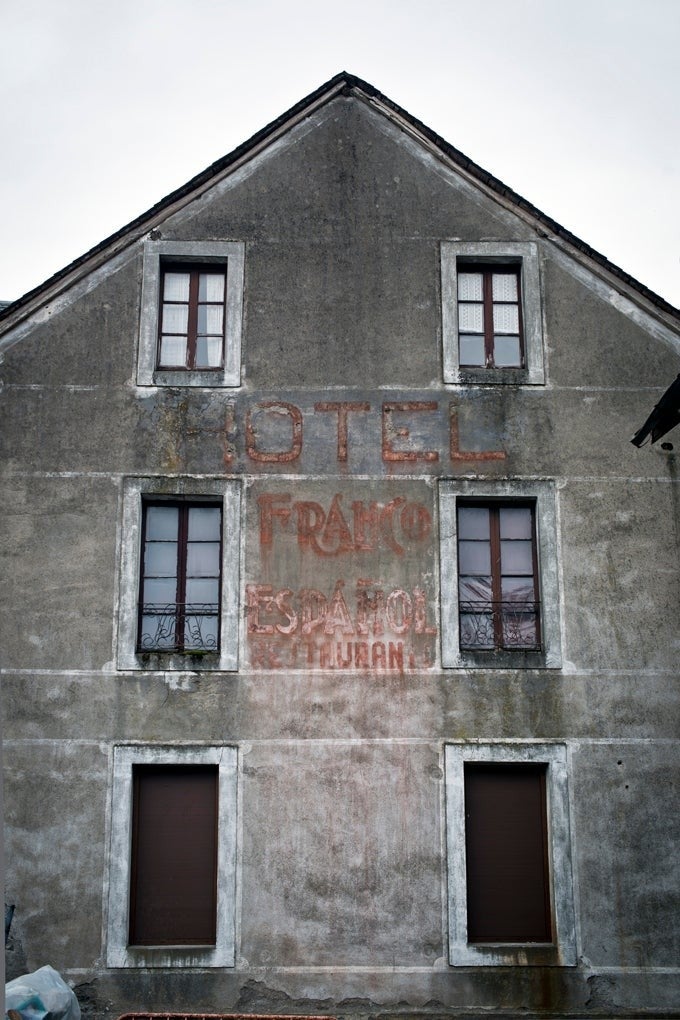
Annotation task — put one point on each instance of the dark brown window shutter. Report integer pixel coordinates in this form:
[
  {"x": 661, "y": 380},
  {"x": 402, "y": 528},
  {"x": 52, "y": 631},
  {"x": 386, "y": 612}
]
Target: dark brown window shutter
[
  {"x": 173, "y": 894},
  {"x": 508, "y": 895}
]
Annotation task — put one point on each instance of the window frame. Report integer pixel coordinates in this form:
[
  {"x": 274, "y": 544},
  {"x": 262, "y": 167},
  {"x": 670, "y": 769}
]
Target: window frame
[
  {"x": 521, "y": 256},
  {"x": 562, "y": 950},
  {"x": 193, "y": 305},
  {"x": 191, "y": 491},
  {"x": 494, "y": 507},
  {"x": 119, "y": 953},
  {"x": 194, "y": 255},
  {"x": 183, "y": 507},
  {"x": 488, "y": 271},
  {"x": 543, "y": 495}
]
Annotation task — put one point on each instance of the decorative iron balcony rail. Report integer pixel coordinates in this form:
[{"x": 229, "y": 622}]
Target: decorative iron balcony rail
[
  {"x": 500, "y": 625},
  {"x": 179, "y": 627}
]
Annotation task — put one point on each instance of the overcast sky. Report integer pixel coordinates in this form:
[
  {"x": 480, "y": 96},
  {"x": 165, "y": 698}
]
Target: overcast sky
[{"x": 106, "y": 107}]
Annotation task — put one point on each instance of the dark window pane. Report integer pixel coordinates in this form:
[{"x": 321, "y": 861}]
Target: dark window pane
[
  {"x": 507, "y": 352},
  {"x": 204, "y": 523},
  {"x": 160, "y": 591},
  {"x": 475, "y": 589},
  {"x": 160, "y": 559},
  {"x": 473, "y": 522},
  {"x": 470, "y": 286},
  {"x": 176, "y": 286},
  {"x": 175, "y": 319},
  {"x": 517, "y": 557},
  {"x": 472, "y": 350},
  {"x": 515, "y": 521},
  {"x": 504, "y": 286},
  {"x": 200, "y": 631},
  {"x": 520, "y": 629},
  {"x": 203, "y": 559},
  {"x": 476, "y": 630},
  {"x": 201, "y": 591},
  {"x": 208, "y": 351},
  {"x": 210, "y": 318},
  {"x": 158, "y": 631},
  {"x": 517, "y": 589},
  {"x": 173, "y": 351},
  {"x": 471, "y": 318},
  {"x": 161, "y": 523},
  {"x": 506, "y": 319},
  {"x": 474, "y": 557},
  {"x": 211, "y": 287}
]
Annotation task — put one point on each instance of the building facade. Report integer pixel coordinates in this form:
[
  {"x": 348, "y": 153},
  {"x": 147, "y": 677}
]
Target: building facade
[{"x": 341, "y": 621}]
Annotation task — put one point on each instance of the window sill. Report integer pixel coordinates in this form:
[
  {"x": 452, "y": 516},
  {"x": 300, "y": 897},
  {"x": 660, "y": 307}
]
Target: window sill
[
  {"x": 177, "y": 661},
  {"x": 505, "y": 954},
  {"x": 171, "y": 956},
  {"x": 504, "y": 659},
  {"x": 210, "y": 378},
  {"x": 494, "y": 377}
]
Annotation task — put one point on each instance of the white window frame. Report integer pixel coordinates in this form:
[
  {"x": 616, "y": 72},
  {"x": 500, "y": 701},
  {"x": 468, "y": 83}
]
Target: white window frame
[
  {"x": 549, "y": 656},
  {"x": 135, "y": 490},
  {"x": 196, "y": 253},
  {"x": 562, "y": 952},
  {"x": 118, "y": 952},
  {"x": 522, "y": 253}
]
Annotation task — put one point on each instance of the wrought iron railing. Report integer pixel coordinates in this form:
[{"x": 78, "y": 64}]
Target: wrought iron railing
[
  {"x": 502, "y": 625},
  {"x": 179, "y": 627}
]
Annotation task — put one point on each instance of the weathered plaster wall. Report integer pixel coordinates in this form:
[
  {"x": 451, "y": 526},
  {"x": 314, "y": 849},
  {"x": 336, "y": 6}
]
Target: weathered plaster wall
[{"x": 341, "y": 872}]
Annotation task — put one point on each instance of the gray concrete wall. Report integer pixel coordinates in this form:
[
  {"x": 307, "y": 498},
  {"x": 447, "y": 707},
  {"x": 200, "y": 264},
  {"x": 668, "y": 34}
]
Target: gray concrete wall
[{"x": 341, "y": 867}]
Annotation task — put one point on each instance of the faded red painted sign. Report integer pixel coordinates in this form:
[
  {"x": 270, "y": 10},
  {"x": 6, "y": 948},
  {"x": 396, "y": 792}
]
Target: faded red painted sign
[
  {"x": 422, "y": 433},
  {"x": 343, "y": 580}
]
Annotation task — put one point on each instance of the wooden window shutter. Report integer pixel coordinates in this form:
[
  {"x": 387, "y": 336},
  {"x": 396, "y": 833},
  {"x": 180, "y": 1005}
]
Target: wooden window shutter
[
  {"x": 173, "y": 894},
  {"x": 508, "y": 892}
]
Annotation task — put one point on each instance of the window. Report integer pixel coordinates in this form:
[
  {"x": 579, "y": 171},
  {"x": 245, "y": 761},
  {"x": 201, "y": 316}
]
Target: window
[
  {"x": 489, "y": 317},
  {"x": 172, "y": 866},
  {"x": 180, "y": 583},
  {"x": 491, "y": 313},
  {"x": 179, "y": 575},
  {"x": 173, "y": 892},
  {"x": 506, "y": 855},
  {"x": 499, "y": 576},
  {"x": 191, "y": 312},
  {"x": 192, "y": 318},
  {"x": 509, "y": 855}
]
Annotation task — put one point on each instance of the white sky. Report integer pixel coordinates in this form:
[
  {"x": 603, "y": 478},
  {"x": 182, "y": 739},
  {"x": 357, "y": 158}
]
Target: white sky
[{"x": 107, "y": 107}]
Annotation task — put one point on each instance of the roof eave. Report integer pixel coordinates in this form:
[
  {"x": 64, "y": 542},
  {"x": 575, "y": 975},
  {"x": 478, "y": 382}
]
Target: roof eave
[{"x": 17, "y": 311}]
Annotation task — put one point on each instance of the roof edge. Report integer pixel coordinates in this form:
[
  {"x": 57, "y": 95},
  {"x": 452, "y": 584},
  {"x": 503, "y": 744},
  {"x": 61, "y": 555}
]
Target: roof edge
[{"x": 16, "y": 311}]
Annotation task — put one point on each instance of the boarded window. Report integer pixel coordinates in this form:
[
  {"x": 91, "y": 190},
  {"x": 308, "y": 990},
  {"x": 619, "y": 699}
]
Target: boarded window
[
  {"x": 508, "y": 893},
  {"x": 173, "y": 895}
]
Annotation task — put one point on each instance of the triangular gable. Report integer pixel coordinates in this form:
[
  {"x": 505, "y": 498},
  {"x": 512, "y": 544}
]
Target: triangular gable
[{"x": 346, "y": 84}]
